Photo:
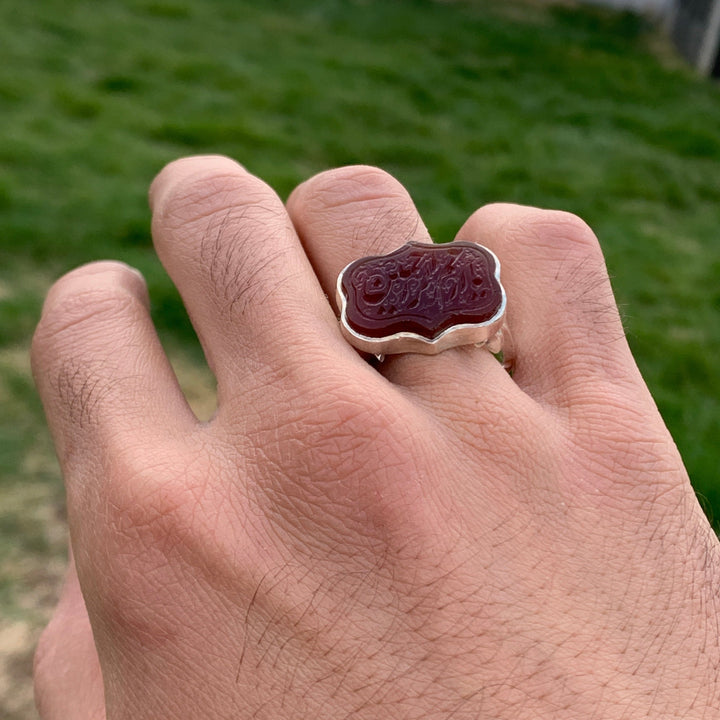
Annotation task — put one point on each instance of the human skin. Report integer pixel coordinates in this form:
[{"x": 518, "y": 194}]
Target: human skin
[{"x": 429, "y": 537}]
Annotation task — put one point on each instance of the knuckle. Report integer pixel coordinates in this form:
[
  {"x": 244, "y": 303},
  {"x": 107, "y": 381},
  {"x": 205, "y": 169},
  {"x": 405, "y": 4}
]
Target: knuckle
[
  {"x": 495, "y": 218},
  {"x": 84, "y": 301},
  {"x": 84, "y": 313},
  {"x": 162, "y": 516},
  {"x": 333, "y": 435},
  {"x": 558, "y": 226},
  {"x": 353, "y": 409},
  {"x": 535, "y": 228},
  {"x": 198, "y": 190},
  {"x": 355, "y": 184},
  {"x": 354, "y": 473},
  {"x": 150, "y": 493}
]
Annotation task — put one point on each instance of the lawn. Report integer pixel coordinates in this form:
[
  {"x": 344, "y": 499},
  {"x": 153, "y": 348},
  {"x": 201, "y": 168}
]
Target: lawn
[{"x": 465, "y": 102}]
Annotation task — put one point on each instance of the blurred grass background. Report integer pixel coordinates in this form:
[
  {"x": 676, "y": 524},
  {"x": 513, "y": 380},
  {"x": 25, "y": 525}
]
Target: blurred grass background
[{"x": 465, "y": 102}]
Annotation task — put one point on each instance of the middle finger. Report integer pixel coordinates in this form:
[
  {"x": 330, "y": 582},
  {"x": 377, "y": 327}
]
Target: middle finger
[{"x": 226, "y": 241}]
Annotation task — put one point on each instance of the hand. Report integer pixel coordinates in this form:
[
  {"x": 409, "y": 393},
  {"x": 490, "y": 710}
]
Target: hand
[{"x": 430, "y": 538}]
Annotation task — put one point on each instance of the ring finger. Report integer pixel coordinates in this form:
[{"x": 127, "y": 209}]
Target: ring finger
[{"x": 341, "y": 215}]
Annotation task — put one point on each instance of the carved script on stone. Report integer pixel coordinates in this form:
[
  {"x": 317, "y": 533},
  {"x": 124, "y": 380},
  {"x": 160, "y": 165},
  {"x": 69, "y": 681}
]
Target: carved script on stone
[{"x": 421, "y": 288}]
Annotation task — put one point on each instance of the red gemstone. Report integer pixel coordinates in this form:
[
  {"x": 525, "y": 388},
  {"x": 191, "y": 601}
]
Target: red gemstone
[{"x": 423, "y": 289}]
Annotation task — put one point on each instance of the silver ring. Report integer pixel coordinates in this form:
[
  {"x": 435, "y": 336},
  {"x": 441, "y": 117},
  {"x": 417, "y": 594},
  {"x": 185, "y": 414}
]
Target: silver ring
[{"x": 423, "y": 298}]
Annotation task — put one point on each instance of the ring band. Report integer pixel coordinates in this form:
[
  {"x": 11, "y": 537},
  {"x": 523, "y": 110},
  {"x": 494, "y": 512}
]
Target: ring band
[{"x": 423, "y": 298}]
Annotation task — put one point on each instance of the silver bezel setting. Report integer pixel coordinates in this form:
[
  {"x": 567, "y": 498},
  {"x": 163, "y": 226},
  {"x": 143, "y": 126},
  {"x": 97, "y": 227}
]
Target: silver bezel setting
[{"x": 487, "y": 333}]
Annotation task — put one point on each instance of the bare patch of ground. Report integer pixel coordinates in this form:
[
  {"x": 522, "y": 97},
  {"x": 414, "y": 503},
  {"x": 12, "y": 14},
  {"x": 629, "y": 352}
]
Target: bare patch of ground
[
  {"x": 198, "y": 384},
  {"x": 17, "y": 640}
]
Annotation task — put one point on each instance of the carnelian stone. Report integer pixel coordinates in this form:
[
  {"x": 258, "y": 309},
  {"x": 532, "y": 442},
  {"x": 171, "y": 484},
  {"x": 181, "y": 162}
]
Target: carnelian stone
[{"x": 421, "y": 288}]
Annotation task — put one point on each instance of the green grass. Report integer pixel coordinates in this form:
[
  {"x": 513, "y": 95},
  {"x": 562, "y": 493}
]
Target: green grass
[{"x": 465, "y": 102}]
